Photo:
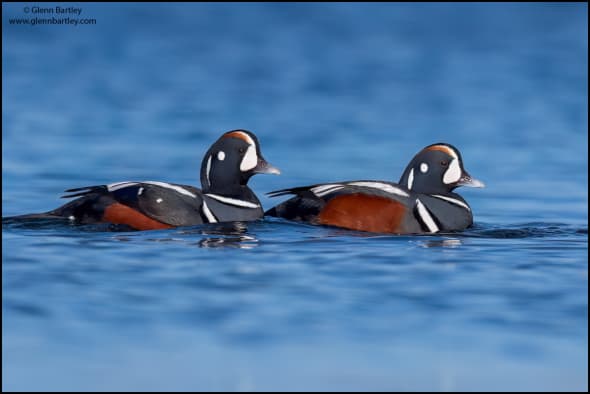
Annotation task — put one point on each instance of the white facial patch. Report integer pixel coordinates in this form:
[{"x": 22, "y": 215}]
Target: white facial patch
[
  {"x": 453, "y": 173},
  {"x": 159, "y": 200},
  {"x": 140, "y": 191},
  {"x": 221, "y": 155},
  {"x": 411, "y": 179},
  {"x": 250, "y": 159},
  {"x": 423, "y": 168}
]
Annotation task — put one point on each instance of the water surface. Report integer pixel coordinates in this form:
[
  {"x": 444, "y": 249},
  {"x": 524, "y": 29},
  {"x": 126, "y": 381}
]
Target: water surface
[{"x": 334, "y": 92}]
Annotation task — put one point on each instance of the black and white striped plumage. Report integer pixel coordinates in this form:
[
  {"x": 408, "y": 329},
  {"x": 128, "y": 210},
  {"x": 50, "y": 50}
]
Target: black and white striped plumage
[
  {"x": 422, "y": 202},
  {"x": 225, "y": 195}
]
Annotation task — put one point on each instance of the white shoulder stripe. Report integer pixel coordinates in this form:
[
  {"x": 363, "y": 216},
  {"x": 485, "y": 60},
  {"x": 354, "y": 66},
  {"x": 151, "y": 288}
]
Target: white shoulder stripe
[
  {"x": 322, "y": 190},
  {"x": 233, "y": 201},
  {"x": 179, "y": 189},
  {"x": 119, "y": 185},
  {"x": 381, "y": 186},
  {"x": 452, "y": 201},
  {"x": 425, "y": 217},
  {"x": 210, "y": 217},
  {"x": 328, "y": 191}
]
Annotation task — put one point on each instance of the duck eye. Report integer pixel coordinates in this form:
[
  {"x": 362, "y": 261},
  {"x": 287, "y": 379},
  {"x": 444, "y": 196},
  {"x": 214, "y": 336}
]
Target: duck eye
[
  {"x": 444, "y": 163},
  {"x": 242, "y": 150}
]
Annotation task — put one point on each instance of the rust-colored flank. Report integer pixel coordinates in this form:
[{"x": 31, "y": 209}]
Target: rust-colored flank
[
  {"x": 364, "y": 213},
  {"x": 122, "y": 214}
]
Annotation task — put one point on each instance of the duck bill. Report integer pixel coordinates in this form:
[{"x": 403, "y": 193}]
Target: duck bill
[
  {"x": 467, "y": 180},
  {"x": 263, "y": 167}
]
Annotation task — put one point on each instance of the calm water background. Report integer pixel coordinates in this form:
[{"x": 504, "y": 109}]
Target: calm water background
[{"x": 334, "y": 92}]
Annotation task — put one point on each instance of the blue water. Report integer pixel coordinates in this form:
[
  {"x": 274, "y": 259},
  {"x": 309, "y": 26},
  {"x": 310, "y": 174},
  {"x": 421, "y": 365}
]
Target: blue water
[{"x": 334, "y": 92}]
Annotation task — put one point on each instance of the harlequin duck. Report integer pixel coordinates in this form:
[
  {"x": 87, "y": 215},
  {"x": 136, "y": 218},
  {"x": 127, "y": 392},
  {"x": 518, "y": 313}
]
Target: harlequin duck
[
  {"x": 147, "y": 205},
  {"x": 422, "y": 202}
]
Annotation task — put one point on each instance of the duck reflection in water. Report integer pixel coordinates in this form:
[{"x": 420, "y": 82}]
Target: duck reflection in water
[
  {"x": 442, "y": 243},
  {"x": 228, "y": 234}
]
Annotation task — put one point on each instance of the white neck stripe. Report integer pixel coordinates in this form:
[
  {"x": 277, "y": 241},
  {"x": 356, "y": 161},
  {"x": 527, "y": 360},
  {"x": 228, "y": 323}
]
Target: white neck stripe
[
  {"x": 233, "y": 201},
  {"x": 411, "y": 179},
  {"x": 210, "y": 217},
  {"x": 452, "y": 201},
  {"x": 208, "y": 169},
  {"x": 425, "y": 217}
]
